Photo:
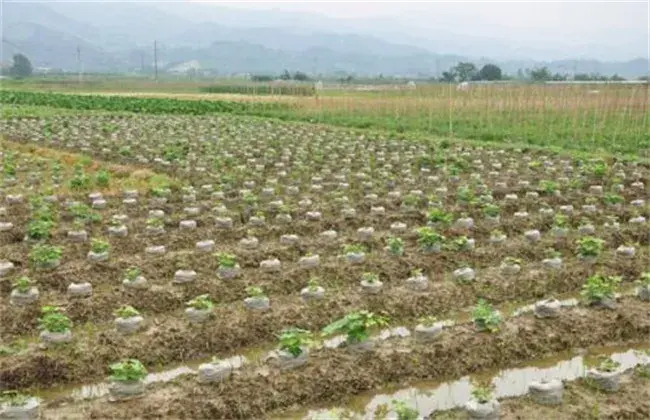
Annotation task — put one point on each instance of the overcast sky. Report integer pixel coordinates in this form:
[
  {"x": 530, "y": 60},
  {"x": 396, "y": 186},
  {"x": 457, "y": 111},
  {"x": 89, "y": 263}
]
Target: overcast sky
[
  {"x": 594, "y": 17},
  {"x": 617, "y": 25},
  {"x": 513, "y": 14}
]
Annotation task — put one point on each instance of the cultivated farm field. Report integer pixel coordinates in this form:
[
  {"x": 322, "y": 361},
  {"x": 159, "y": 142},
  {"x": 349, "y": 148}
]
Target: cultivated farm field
[
  {"x": 609, "y": 118},
  {"x": 168, "y": 265}
]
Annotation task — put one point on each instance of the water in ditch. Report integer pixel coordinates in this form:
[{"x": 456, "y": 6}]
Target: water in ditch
[{"x": 428, "y": 397}]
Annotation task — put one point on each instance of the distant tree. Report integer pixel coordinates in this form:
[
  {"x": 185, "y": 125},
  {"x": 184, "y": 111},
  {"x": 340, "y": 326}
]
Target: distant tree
[
  {"x": 597, "y": 77},
  {"x": 261, "y": 78},
  {"x": 285, "y": 75},
  {"x": 540, "y": 74},
  {"x": 21, "y": 66},
  {"x": 448, "y": 76},
  {"x": 646, "y": 78},
  {"x": 465, "y": 71},
  {"x": 557, "y": 77},
  {"x": 490, "y": 72},
  {"x": 300, "y": 76}
]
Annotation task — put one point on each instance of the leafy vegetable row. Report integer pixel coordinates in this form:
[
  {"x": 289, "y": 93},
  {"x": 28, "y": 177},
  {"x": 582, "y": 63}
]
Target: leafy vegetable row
[{"x": 135, "y": 104}]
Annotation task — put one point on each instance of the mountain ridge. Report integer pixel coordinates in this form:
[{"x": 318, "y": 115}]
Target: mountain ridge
[{"x": 118, "y": 37}]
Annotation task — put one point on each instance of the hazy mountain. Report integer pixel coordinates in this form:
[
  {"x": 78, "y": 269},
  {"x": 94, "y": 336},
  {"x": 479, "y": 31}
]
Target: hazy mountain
[
  {"x": 250, "y": 18},
  {"x": 293, "y": 40},
  {"x": 55, "y": 49},
  {"x": 135, "y": 23},
  {"x": 20, "y": 13},
  {"x": 119, "y": 37},
  {"x": 241, "y": 57}
]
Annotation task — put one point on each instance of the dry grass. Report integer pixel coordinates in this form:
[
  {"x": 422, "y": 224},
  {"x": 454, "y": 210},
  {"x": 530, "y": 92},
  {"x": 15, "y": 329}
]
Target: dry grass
[{"x": 122, "y": 176}]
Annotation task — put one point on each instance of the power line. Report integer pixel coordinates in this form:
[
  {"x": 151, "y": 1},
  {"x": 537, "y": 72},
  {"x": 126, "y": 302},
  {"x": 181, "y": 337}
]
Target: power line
[{"x": 79, "y": 63}]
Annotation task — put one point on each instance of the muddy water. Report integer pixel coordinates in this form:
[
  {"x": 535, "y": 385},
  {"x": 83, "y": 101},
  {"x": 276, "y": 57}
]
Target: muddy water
[
  {"x": 514, "y": 308},
  {"x": 428, "y": 397},
  {"x": 79, "y": 392}
]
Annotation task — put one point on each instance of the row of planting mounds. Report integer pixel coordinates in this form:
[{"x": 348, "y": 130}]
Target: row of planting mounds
[
  {"x": 332, "y": 376},
  {"x": 171, "y": 340},
  {"x": 261, "y": 89},
  {"x": 442, "y": 298},
  {"x": 135, "y": 104}
]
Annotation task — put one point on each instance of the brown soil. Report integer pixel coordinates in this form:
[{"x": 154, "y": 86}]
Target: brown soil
[
  {"x": 232, "y": 327},
  {"x": 338, "y": 278},
  {"x": 334, "y": 375}
]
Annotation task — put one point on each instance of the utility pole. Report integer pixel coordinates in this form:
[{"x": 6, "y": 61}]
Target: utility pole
[
  {"x": 79, "y": 63},
  {"x": 142, "y": 62},
  {"x": 155, "y": 59}
]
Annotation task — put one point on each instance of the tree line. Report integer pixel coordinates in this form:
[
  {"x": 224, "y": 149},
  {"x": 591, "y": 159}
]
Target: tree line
[
  {"x": 461, "y": 72},
  {"x": 298, "y": 76},
  {"x": 21, "y": 67},
  {"x": 467, "y": 71}
]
